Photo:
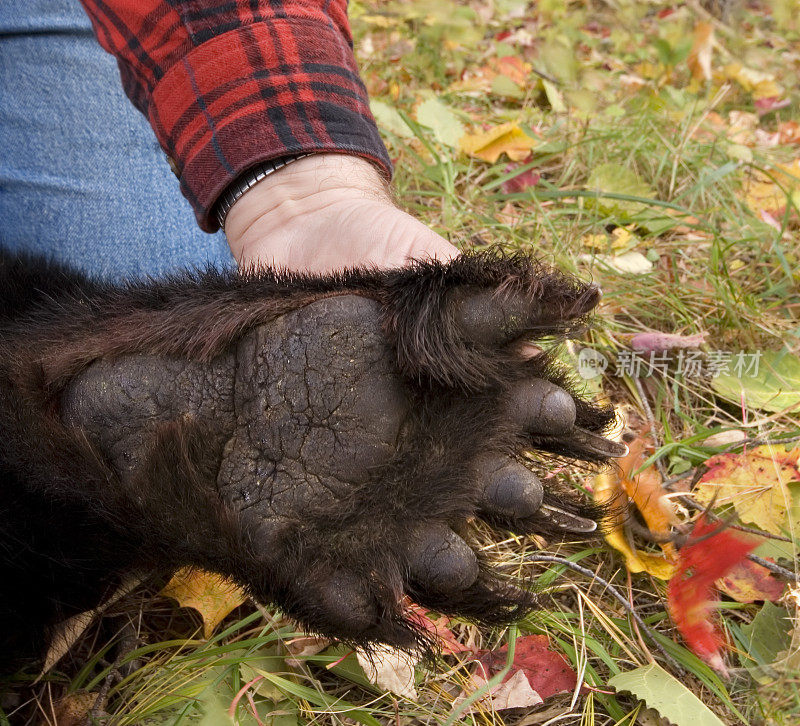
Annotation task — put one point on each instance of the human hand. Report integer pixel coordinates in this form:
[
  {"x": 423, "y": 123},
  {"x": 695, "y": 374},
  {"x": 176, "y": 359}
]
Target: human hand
[{"x": 327, "y": 212}]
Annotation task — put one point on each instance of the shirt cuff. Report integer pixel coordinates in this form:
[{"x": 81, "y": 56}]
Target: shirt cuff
[{"x": 259, "y": 92}]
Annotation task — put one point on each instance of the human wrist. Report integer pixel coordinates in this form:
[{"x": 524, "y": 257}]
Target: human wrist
[
  {"x": 306, "y": 186},
  {"x": 325, "y": 213},
  {"x": 246, "y": 181}
]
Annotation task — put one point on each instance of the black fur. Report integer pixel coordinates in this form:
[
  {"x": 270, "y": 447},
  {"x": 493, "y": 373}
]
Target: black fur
[{"x": 150, "y": 426}]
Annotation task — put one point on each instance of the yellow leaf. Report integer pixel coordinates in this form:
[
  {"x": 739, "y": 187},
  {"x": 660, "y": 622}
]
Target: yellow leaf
[
  {"x": 507, "y": 139},
  {"x": 595, "y": 241},
  {"x": 765, "y": 193},
  {"x": 760, "y": 84},
  {"x": 211, "y": 595},
  {"x": 755, "y": 483},
  {"x": 379, "y": 21},
  {"x": 621, "y": 237},
  {"x": 608, "y": 490}
]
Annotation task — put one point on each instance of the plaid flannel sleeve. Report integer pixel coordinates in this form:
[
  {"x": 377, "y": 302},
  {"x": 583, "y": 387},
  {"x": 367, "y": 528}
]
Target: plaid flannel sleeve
[{"x": 227, "y": 84}]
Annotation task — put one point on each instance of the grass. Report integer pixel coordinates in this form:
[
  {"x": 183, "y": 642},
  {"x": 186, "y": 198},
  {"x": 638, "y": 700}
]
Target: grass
[{"x": 719, "y": 267}]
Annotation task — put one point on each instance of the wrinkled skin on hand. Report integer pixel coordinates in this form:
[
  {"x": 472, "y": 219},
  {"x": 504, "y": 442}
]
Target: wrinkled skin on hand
[{"x": 322, "y": 441}]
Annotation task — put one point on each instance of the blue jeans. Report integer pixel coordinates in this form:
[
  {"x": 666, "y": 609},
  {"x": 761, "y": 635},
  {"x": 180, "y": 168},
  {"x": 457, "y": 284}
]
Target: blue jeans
[{"x": 82, "y": 178}]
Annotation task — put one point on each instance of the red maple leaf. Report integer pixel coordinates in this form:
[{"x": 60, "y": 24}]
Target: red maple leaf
[
  {"x": 547, "y": 671},
  {"x": 521, "y": 181},
  {"x": 691, "y": 593}
]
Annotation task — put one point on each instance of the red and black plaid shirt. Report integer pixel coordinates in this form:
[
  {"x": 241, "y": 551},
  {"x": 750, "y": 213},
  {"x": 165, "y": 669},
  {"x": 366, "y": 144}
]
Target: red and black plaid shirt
[{"x": 229, "y": 83}]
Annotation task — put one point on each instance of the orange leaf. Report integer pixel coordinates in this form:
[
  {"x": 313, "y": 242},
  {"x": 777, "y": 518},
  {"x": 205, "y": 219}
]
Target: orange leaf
[
  {"x": 211, "y": 595},
  {"x": 615, "y": 490},
  {"x": 789, "y": 132},
  {"x": 691, "y": 594},
  {"x": 438, "y": 629},
  {"x": 650, "y": 499},
  {"x": 700, "y": 55},
  {"x": 513, "y": 67}
]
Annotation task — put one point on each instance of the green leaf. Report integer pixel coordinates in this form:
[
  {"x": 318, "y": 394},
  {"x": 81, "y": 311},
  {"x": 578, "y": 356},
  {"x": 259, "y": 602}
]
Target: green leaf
[
  {"x": 321, "y": 699},
  {"x": 263, "y": 687},
  {"x": 619, "y": 180},
  {"x": 504, "y": 86},
  {"x": 389, "y": 119},
  {"x": 215, "y": 699},
  {"x": 766, "y": 636},
  {"x": 440, "y": 118},
  {"x": 554, "y": 97},
  {"x": 773, "y": 387},
  {"x": 667, "y": 695}
]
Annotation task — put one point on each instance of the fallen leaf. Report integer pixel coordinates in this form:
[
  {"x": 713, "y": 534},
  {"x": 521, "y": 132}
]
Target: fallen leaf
[
  {"x": 741, "y": 127},
  {"x": 748, "y": 581},
  {"x": 708, "y": 556},
  {"x": 515, "y": 692},
  {"x": 73, "y": 709},
  {"x": 443, "y": 636},
  {"x": 622, "y": 237},
  {"x": 770, "y": 103},
  {"x": 442, "y": 120},
  {"x": 666, "y": 341},
  {"x": 774, "y": 385},
  {"x": 254, "y": 663},
  {"x": 656, "y": 508},
  {"x": 699, "y": 59},
  {"x": 724, "y": 438},
  {"x": 512, "y": 67},
  {"x": 547, "y": 671},
  {"x": 618, "y": 180},
  {"x": 211, "y": 595},
  {"x": 789, "y": 132},
  {"x": 770, "y": 192},
  {"x": 390, "y": 669},
  {"x": 788, "y": 659},
  {"x": 304, "y": 647},
  {"x": 67, "y": 632},
  {"x": 599, "y": 241},
  {"x": 388, "y": 118},
  {"x": 521, "y": 181},
  {"x": 509, "y": 215},
  {"x": 767, "y": 637},
  {"x": 614, "y": 490},
  {"x": 513, "y": 71},
  {"x": 554, "y": 97},
  {"x": 762, "y": 85},
  {"x": 755, "y": 483},
  {"x": 628, "y": 263},
  {"x": 766, "y": 139},
  {"x": 508, "y": 139},
  {"x": 665, "y": 693}
]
